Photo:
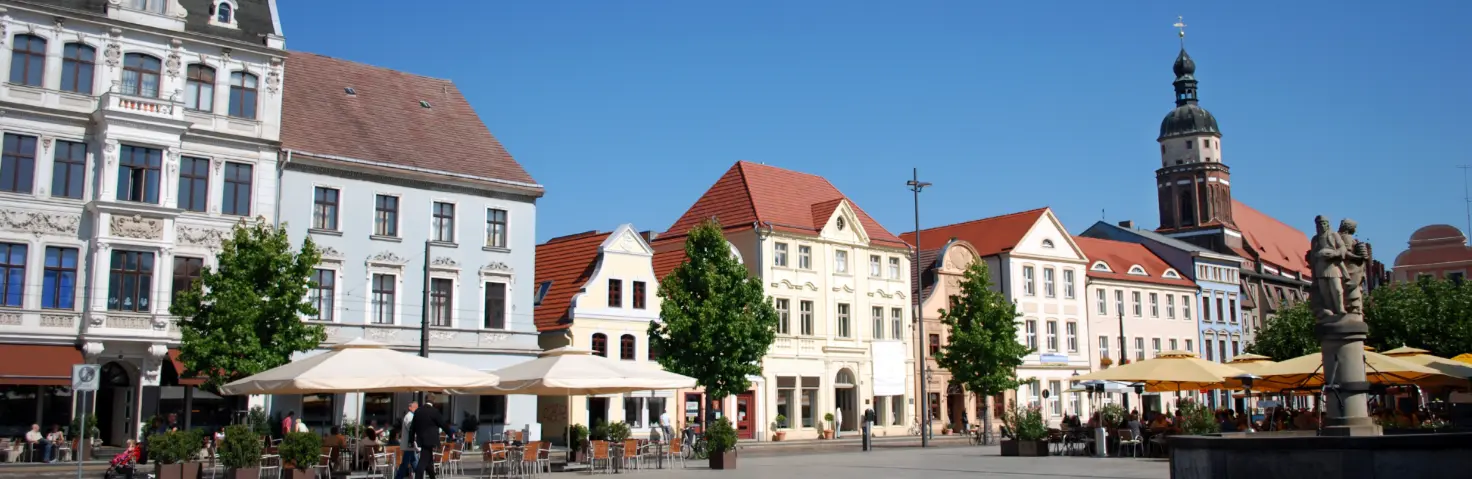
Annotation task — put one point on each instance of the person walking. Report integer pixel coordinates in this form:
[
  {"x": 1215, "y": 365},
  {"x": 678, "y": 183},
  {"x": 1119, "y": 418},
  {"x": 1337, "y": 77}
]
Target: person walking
[
  {"x": 288, "y": 425},
  {"x": 406, "y": 444},
  {"x": 837, "y": 422},
  {"x": 426, "y": 428},
  {"x": 664, "y": 423},
  {"x": 868, "y": 423}
]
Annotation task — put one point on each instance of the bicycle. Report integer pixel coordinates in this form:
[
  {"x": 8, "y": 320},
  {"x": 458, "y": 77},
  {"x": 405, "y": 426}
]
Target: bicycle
[{"x": 695, "y": 447}]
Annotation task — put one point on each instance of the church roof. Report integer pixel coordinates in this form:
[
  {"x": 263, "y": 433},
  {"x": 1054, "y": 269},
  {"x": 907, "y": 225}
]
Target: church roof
[{"x": 1271, "y": 241}]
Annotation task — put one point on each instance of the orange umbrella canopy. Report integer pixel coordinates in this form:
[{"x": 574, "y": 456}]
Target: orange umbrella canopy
[
  {"x": 1168, "y": 371},
  {"x": 1307, "y": 371}
]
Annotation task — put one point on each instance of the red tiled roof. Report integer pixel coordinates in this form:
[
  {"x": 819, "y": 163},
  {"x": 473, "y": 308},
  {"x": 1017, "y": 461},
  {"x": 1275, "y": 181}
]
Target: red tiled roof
[
  {"x": 384, "y": 122},
  {"x": 1442, "y": 245},
  {"x": 990, "y": 236},
  {"x": 666, "y": 261},
  {"x": 567, "y": 262},
  {"x": 1271, "y": 241},
  {"x": 1120, "y": 256},
  {"x": 789, "y": 201}
]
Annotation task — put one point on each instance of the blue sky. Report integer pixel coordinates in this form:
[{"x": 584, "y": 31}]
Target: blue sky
[{"x": 628, "y": 110}]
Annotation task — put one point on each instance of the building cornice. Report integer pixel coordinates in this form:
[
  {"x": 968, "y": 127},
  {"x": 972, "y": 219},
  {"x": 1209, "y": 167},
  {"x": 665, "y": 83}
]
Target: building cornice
[{"x": 93, "y": 18}]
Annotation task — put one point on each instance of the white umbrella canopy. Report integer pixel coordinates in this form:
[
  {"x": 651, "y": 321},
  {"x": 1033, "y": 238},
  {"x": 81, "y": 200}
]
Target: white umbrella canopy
[
  {"x": 365, "y": 366},
  {"x": 569, "y": 371}
]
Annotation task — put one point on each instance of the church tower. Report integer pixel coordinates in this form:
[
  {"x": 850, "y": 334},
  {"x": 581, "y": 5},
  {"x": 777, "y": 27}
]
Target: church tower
[{"x": 1194, "y": 184}]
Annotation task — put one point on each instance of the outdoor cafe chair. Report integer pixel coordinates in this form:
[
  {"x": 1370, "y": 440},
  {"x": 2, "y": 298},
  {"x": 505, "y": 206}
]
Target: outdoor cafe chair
[
  {"x": 494, "y": 456},
  {"x": 528, "y": 461},
  {"x": 544, "y": 457},
  {"x": 598, "y": 451},
  {"x": 1128, "y": 439},
  {"x": 632, "y": 454},
  {"x": 324, "y": 463},
  {"x": 270, "y": 466}
]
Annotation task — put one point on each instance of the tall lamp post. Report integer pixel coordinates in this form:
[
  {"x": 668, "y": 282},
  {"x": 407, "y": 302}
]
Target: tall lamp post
[
  {"x": 1124, "y": 354},
  {"x": 424, "y": 313},
  {"x": 916, "y": 186}
]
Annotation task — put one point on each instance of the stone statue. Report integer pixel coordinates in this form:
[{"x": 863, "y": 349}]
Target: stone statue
[
  {"x": 1326, "y": 258},
  {"x": 1339, "y": 263},
  {"x": 1356, "y": 260}
]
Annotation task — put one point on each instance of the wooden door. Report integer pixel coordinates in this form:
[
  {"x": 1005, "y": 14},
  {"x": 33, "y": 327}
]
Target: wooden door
[{"x": 745, "y": 419}]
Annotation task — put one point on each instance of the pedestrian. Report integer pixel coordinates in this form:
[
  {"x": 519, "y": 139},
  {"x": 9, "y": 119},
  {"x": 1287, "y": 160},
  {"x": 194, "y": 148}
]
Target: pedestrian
[
  {"x": 837, "y": 422},
  {"x": 406, "y": 444},
  {"x": 664, "y": 423},
  {"x": 289, "y": 424},
  {"x": 869, "y": 419},
  {"x": 426, "y": 428}
]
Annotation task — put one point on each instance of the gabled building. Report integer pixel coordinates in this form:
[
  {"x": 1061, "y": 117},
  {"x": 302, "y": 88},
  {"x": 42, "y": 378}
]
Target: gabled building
[
  {"x": 940, "y": 273},
  {"x": 839, "y": 282},
  {"x": 1036, "y": 264},
  {"x": 396, "y": 179},
  {"x": 597, "y": 291}
]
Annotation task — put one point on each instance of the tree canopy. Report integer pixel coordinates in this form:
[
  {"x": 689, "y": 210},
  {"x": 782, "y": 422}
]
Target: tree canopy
[
  {"x": 1431, "y": 314},
  {"x": 983, "y": 353},
  {"x": 1288, "y": 335},
  {"x": 246, "y": 315},
  {"x": 716, "y": 320}
]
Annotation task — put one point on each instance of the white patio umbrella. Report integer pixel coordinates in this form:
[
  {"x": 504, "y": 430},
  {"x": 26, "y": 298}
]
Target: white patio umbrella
[{"x": 361, "y": 366}]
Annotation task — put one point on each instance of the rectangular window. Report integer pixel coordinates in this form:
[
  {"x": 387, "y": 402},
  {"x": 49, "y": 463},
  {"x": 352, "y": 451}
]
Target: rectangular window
[
  {"x": 1154, "y": 305},
  {"x": 1101, "y": 303},
  {"x": 238, "y": 178},
  {"x": 633, "y": 411},
  {"x": 779, "y": 254},
  {"x": 59, "y": 285},
  {"x": 1119, "y": 302},
  {"x": 323, "y": 293},
  {"x": 1173, "y": 345},
  {"x": 897, "y": 321},
  {"x": 1029, "y": 287},
  {"x": 1048, "y": 290},
  {"x": 194, "y": 184},
  {"x": 639, "y": 295},
  {"x": 441, "y": 302},
  {"x": 1052, "y": 336},
  {"x": 1206, "y": 348},
  {"x": 843, "y": 321},
  {"x": 18, "y": 165},
  {"x": 840, "y": 261},
  {"x": 1055, "y": 388},
  {"x": 1072, "y": 331},
  {"x": 384, "y": 292},
  {"x": 77, "y": 63},
  {"x": 1155, "y": 345},
  {"x": 69, "y": 170},
  {"x": 386, "y": 216},
  {"x": 1220, "y": 317},
  {"x": 804, "y": 257},
  {"x": 444, "y": 222},
  {"x": 1068, "y": 284},
  {"x": 1139, "y": 349},
  {"x": 809, "y": 400},
  {"x": 615, "y": 293},
  {"x": 1103, "y": 346},
  {"x": 1170, "y": 306},
  {"x": 784, "y": 315},
  {"x": 496, "y": 228},
  {"x": 13, "y": 268},
  {"x": 897, "y": 410},
  {"x": 242, "y": 95},
  {"x": 187, "y": 271},
  {"x": 875, "y": 263},
  {"x": 1032, "y": 335},
  {"x": 28, "y": 60},
  {"x": 1235, "y": 351},
  {"x": 1186, "y": 307},
  {"x": 199, "y": 88},
  {"x": 495, "y": 305},
  {"x": 1222, "y": 344},
  {"x": 1206, "y": 309},
  {"x": 805, "y": 316},
  {"x": 786, "y": 399},
  {"x": 130, "y": 282},
  {"x": 1232, "y": 309},
  {"x": 1135, "y": 301},
  {"x": 1188, "y": 346},
  {"x": 894, "y": 268},
  {"x": 878, "y": 313},
  {"x": 934, "y": 344},
  {"x": 324, "y": 208}
]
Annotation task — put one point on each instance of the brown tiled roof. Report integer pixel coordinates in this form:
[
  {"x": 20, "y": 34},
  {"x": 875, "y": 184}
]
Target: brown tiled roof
[
  {"x": 1439, "y": 245},
  {"x": 922, "y": 273},
  {"x": 666, "y": 261},
  {"x": 1120, "y": 256},
  {"x": 568, "y": 262},
  {"x": 1271, "y": 241},
  {"x": 384, "y": 122},
  {"x": 789, "y": 201},
  {"x": 990, "y": 236}
]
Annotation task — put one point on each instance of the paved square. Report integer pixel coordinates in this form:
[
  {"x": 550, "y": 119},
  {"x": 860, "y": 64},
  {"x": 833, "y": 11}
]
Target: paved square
[{"x": 967, "y": 462}]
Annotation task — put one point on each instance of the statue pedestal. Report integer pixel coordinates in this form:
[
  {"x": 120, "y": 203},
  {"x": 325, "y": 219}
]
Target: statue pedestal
[{"x": 1346, "y": 393}]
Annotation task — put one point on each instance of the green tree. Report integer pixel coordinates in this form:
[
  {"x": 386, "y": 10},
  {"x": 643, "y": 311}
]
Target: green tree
[
  {"x": 1431, "y": 314},
  {"x": 245, "y": 316},
  {"x": 983, "y": 353},
  {"x": 1288, "y": 335},
  {"x": 716, "y": 321}
]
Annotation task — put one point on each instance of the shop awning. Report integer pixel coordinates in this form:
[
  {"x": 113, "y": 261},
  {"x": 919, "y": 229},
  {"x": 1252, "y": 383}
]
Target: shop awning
[
  {"x": 38, "y": 365},
  {"x": 179, "y": 370}
]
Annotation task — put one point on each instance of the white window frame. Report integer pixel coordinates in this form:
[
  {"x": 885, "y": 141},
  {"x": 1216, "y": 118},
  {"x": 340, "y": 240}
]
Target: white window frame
[
  {"x": 1029, "y": 285},
  {"x": 876, "y": 265},
  {"x": 878, "y": 318},
  {"x": 398, "y": 217},
  {"x": 1050, "y": 290},
  {"x": 1170, "y": 306},
  {"x": 1071, "y": 330},
  {"x": 1154, "y": 305},
  {"x": 332, "y": 264},
  {"x": 494, "y": 276},
  {"x": 454, "y": 220},
  {"x": 840, "y": 261},
  {"x": 779, "y": 254},
  {"x": 804, "y": 257},
  {"x": 1032, "y": 334},
  {"x": 485, "y": 225},
  {"x": 1051, "y": 329},
  {"x": 1068, "y": 284},
  {"x": 894, "y": 267},
  {"x": 1137, "y": 306},
  {"x": 1103, "y": 346},
  {"x": 385, "y": 266},
  {"x": 1102, "y": 298}
]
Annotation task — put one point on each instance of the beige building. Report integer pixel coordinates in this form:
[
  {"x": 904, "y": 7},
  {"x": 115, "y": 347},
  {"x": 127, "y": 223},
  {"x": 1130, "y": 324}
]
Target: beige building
[
  {"x": 841, "y": 287},
  {"x": 940, "y": 273},
  {"x": 597, "y": 291}
]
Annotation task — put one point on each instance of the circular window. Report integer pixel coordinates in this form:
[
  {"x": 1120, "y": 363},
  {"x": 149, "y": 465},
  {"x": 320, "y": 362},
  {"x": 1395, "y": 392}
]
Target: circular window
[{"x": 840, "y": 223}]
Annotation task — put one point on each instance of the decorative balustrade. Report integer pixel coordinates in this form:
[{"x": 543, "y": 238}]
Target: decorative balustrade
[{"x": 155, "y": 107}]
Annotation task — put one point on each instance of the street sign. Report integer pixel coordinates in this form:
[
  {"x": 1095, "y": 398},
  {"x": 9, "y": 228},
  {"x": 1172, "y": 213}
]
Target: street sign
[{"x": 85, "y": 377}]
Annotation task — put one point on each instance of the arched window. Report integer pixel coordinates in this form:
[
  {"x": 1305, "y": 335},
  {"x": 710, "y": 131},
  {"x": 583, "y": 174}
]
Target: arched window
[
  {"x": 1047, "y": 243},
  {"x": 140, "y": 75},
  {"x": 77, "y": 62},
  {"x": 199, "y": 88},
  {"x": 28, "y": 60},
  {"x": 1188, "y": 209},
  {"x": 626, "y": 347},
  {"x": 600, "y": 344},
  {"x": 222, "y": 13},
  {"x": 242, "y": 95}
]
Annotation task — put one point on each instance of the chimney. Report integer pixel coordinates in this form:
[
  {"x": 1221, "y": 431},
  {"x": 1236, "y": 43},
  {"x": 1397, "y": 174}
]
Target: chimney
[
  {"x": 648, "y": 235},
  {"x": 1127, "y": 224}
]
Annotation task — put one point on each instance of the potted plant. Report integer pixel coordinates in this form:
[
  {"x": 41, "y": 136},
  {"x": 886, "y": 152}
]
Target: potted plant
[
  {"x": 619, "y": 432},
  {"x": 299, "y": 451},
  {"x": 778, "y": 433},
  {"x": 828, "y": 426},
  {"x": 720, "y": 437},
  {"x": 1029, "y": 432},
  {"x": 1196, "y": 419},
  {"x": 946, "y": 429},
  {"x": 1105, "y": 362},
  {"x": 240, "y": 452},
  {"x": 577, "y": 441},
  {"x": 172, "y": 453},
  {"x": 599, "y": 432},
  {"x": 259, "y": 421},
  {"x": 93, "y": 437}
]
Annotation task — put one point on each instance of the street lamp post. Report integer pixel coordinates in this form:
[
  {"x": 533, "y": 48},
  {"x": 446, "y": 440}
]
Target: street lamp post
[
  {"x": 1124, "y": 354},
  {"x": 916, "y": 186}
]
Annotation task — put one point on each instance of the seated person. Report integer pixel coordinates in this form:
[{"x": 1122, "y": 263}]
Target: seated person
[
  {"x": 335, "y": 439},
  {"x": 38, "y": 442}
]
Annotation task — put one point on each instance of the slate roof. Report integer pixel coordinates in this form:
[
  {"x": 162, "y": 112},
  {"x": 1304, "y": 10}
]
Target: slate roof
[
  {"x": 990, "y": 236},
  {"x": 253, "y": 18},
  {"x": 1121, "y": 256},
  {"x": 383, "y": 121},
  {"x": 568, "y": 262}
]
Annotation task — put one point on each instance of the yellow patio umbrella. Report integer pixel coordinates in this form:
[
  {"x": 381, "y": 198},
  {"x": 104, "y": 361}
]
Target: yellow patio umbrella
[
  {"x": 1453, "y": 373},
  {"x": 1307, "y": 371},
  {"x": 1169, "y": 371},
  {"x": 1253, "y": 364},
  {"x": 1464, "y": 357}
]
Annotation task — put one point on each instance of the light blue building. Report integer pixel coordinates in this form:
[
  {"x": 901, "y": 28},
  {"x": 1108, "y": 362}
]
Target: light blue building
[
  {"x": 1219, "y": 299},
  {"x": 396, "y": 179}
]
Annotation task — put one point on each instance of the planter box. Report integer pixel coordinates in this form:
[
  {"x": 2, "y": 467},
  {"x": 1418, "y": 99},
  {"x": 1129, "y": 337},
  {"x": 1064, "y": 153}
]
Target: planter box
[
  {"x": 1009, "y": 447},
  {"x": 779, "y": 436},
  {"x": 1024, "y": 448},
  {"x": 724, "y": 460},
  {"x": 828, "y": 434},
  {"x": 187, "y": 470},
  {"x": 243, "y": 473}
]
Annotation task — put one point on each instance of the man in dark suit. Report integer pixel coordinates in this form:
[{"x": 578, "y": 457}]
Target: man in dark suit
[{"x": 426, "y": 431}]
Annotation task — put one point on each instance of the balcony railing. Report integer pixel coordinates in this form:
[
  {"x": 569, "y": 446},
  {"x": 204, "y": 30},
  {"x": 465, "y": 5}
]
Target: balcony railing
[{"x": 154, "y": 107}]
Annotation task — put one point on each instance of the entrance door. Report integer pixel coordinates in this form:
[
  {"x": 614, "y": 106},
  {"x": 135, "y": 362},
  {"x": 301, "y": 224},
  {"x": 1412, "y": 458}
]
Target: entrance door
[
  {"x": 694, "y": 406},
  {"x": 846, "y": 401},
  {"x": 746, "y": 415},
  {"x": 597, "y": 411}
]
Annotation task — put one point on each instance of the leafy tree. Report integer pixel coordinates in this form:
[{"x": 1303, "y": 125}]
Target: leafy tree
[
  {"x": 245, "y": 316},
  {"x": 1431, "y": 314},
  {"x": 983, "y": 353},
  {"x": 1288, "y": 335},
  {"x": 717, "y": 321}
]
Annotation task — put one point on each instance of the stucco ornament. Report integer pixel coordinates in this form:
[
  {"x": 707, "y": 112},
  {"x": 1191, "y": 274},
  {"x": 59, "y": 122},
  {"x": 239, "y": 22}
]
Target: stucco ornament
[
  {"x": 113, "y": 52},
  {"x": 40, "y": 223},
  {"x": 136, "y": 226},
  {"x": 445, "y": 261},
  {"x": 273, "y": 76},
  {"x": 198, "y": 236}
]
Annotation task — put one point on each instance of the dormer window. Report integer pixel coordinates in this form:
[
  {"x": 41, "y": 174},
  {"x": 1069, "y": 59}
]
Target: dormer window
[
  {"x": 223, "y": 13},
  {"x": 1100, "y": 266},
  {"x": 1048, "y": 244},
  {"x": 151, "y": 6},
  {"x": 1171, "y": 274},
  {"x": 1138, "y": 271}
]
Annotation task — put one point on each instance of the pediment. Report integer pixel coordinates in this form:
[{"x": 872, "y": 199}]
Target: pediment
[
  {"x": 626, "y": 240},
  {"x": 841, "y": 223},
  {"x": 1049, "y": 231}
]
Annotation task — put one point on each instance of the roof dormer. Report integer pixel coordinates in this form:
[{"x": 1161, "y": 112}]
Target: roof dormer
[
  {"x": 222, "y": 13},
  {"x": 1101, "y": 266},
  {"x": 165, "y": 14},
  {"x": 1171, "y": 274},
  {"x": 1138, "y": 270}
]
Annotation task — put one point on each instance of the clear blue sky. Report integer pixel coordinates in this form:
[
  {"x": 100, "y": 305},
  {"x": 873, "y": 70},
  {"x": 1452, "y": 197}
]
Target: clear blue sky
[{"x": 628, "y": 110}]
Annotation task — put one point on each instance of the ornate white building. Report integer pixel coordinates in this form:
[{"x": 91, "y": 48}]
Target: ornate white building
[{"x": 136, "y": 132}]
